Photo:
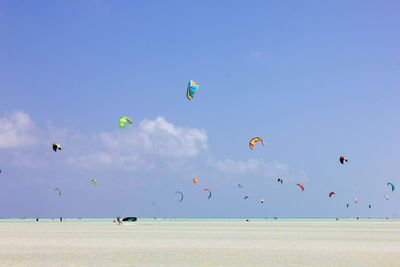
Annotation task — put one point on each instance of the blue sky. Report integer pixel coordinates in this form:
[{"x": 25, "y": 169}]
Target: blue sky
[{"x": 315, "y": 80}]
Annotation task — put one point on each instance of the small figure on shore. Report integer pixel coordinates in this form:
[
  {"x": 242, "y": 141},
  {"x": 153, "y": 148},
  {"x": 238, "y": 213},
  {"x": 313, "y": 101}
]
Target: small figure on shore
[
  {"x": 119, "y": 220},
  {"x": 37, "y": 219},
  {"x": 60, "y": 219}
]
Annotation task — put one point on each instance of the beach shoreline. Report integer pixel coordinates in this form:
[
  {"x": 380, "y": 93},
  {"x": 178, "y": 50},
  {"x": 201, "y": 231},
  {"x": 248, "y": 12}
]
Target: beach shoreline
[{"x": 180, "y": 242}]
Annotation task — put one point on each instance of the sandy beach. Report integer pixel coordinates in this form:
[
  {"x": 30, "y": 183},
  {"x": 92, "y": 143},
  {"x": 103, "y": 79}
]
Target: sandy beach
[{"x": 200, "y": 243}]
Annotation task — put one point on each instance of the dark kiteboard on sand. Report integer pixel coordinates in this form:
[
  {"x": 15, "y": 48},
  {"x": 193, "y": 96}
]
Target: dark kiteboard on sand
[{"x": 129, "y": 219}]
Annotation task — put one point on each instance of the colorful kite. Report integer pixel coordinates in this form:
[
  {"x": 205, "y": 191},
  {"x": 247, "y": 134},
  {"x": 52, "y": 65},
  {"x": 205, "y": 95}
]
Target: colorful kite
[
  {"x": 301, "y": 186},
  {"x": 254, "y": 141},
  {"x": 56, "y": 146},
  {"x": 342, "y": 159},
  {"x": 123, "y": 120},
  {"x": 392, "y": 185},
  {"x": 192, "y": 89},
  {"x": 206, "y": 189}
]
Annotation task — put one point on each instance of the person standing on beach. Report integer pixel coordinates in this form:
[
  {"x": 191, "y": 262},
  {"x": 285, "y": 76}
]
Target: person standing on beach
[{"x": 60, "y": 219}]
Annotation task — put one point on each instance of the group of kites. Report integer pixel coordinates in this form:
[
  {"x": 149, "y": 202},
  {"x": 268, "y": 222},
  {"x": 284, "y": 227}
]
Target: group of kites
[
  {"x": 58, "y": 147},
  {"x": 191, "y": 91}
]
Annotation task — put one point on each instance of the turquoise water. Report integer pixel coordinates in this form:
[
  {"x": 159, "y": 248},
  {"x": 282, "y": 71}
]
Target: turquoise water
[{"x": 191, "y": 219}]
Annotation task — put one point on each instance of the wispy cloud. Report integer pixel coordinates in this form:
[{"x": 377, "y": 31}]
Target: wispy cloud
[
  {"x": 16, "y": 130},
  {"x": 255, "y": 53}
]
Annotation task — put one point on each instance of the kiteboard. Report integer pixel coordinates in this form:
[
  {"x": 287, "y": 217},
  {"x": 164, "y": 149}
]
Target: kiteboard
[{"x": 129, "y": 219}]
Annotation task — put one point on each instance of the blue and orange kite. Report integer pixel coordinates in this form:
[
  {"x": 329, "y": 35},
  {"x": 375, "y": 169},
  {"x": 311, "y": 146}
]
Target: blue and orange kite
[{"x": 192, "y": 89}]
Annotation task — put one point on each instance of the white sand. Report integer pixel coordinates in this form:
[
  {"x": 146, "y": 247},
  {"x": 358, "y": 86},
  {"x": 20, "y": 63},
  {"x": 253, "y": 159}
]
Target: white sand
[{"x": 201, "y": 243}]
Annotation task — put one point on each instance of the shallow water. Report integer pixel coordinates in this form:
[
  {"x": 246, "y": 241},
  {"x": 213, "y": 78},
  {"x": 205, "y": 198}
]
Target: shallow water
[{"x": 200, "y": 243}]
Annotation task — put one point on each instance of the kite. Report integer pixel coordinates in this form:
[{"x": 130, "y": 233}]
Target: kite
[
  {"x": 392, "y": 185},
  {"x": 301, "y": 186},
  {"x": 59, "y": 191},
  {"x": 347, "y": 205},
  {"x": 280, "y": 180},
  {"x": 254, "y": 141},
  {"x": 153, "y": 203},
  {"x": 192, "y": 89},
  {"x": 206, "y": 189},
  {"x": 355, "y": 200},
  {"x": 342, "y": 159},
  {"x": 195, "y": 180},
  {"x": 56, "y": 146},
  {"x": 246, "y": 197},
  {"x": 94, "y": 181},
  {"x": 179, "y": 192},
  {"x": 240, "y": 186},
  {"x": 123, "y": 120},
  {"x": 262, "y": 201},
  {"x": 331, "y": 193}
]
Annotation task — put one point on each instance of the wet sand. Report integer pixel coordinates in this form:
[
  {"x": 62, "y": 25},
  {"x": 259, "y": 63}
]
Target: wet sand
[{"x": 201, "y": 243}]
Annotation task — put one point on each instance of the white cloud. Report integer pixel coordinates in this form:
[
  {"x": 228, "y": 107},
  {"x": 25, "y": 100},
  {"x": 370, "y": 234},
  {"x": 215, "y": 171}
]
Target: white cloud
[
  {"x": 136, "y": 147},
  {"x": 139, "y": 147},
  {"x": 157, "y": 137},
  {"x": 165, "y": 139},
  {"x": 16, "y": 130}
]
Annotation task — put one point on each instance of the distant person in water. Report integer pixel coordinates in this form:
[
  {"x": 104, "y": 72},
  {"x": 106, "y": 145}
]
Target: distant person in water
[{"x": 37, "y": 219}]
